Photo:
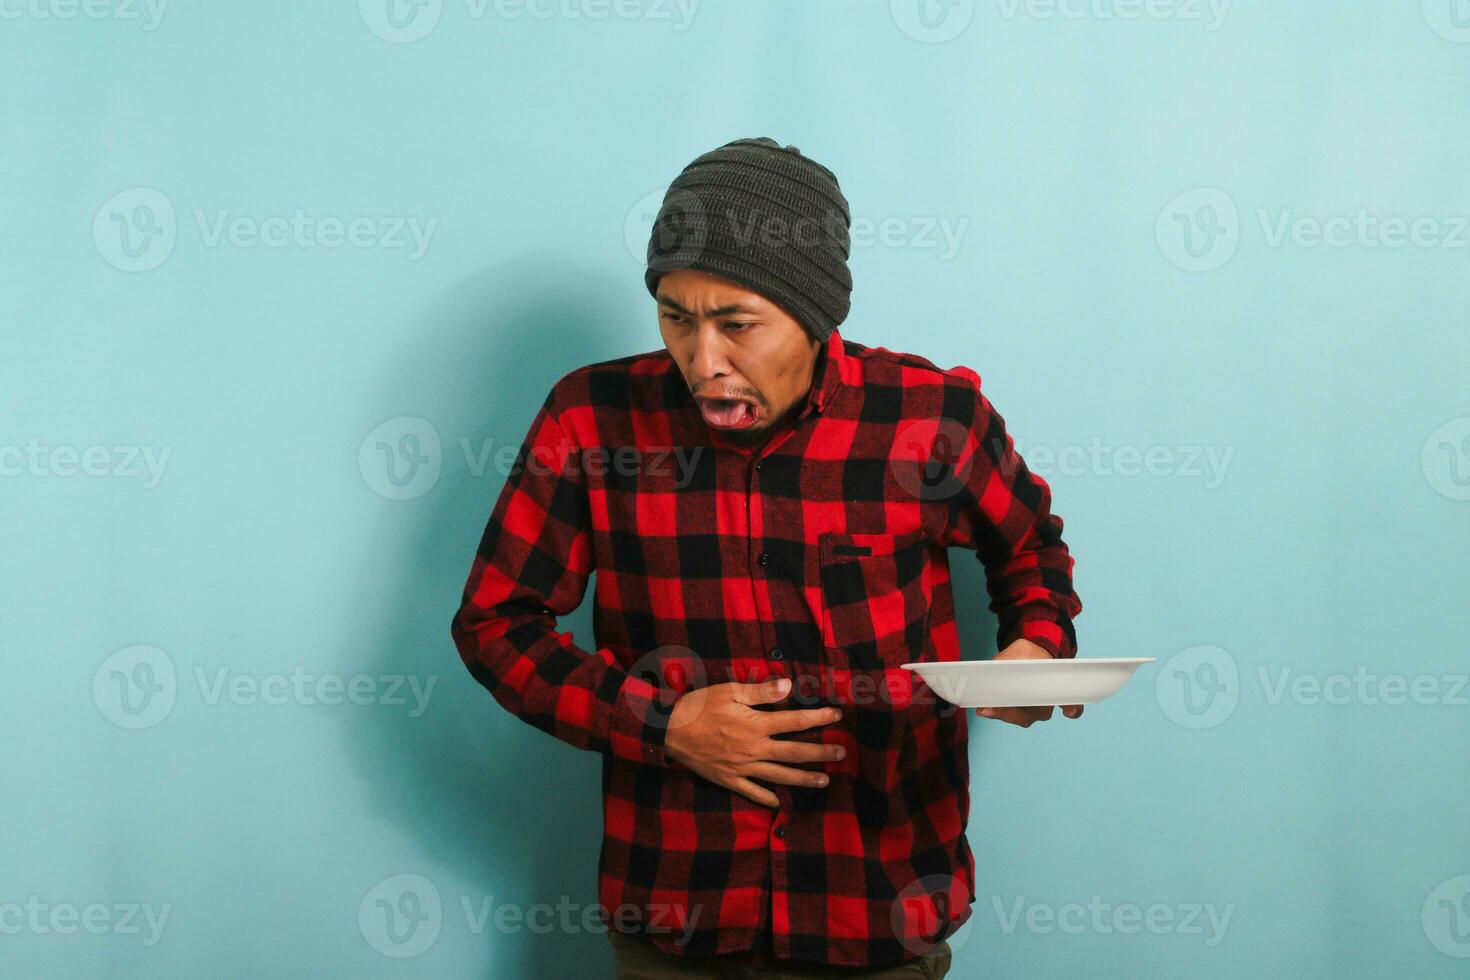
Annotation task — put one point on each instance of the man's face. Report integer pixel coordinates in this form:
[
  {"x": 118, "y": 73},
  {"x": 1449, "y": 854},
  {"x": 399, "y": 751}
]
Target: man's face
[{"x": 746, "y": 360}]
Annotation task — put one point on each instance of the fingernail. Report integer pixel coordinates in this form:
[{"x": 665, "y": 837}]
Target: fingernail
[
  {"x": 821, "y": 780},
  {"x": 783, "y": 685},
  {"x": 987, "y": 712}
]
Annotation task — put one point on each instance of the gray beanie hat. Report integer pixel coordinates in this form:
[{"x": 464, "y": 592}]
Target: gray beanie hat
[{"x": 766, "y": 217}]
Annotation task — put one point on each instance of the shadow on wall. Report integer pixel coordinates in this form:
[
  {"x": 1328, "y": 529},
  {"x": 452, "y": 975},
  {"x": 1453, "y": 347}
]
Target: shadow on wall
[
  {"x": 973, "y": 618},
  {"x": 977, "y": 626},
  {"x": 512, "y": 813}
]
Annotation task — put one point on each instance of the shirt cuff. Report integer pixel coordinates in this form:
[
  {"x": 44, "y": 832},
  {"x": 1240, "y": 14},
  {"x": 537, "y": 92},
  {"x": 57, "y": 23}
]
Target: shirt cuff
[
  {"x": 1055, "y": 638},
  {"x": 640, "y": 722}
]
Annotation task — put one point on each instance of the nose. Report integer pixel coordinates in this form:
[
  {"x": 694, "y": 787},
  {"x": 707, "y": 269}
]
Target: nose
[{"x": 707, "y": 358}]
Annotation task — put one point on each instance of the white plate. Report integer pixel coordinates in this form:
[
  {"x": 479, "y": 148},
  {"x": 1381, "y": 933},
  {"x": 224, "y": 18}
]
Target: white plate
[{"x": 1027, "y": 683}]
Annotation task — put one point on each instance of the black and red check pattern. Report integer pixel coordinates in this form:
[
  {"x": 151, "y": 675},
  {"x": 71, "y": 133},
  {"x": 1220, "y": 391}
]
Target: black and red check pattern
[{"x": 823, "y": 556}]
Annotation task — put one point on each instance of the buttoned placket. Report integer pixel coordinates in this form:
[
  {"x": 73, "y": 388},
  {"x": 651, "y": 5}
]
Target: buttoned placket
[
  {"x": 757, "y": 562},
  {"x": 776, "y": 870},
  {"x": 760, "y": 560}
]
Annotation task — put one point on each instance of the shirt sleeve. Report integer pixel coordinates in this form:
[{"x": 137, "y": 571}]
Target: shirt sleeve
[
  {"x": 532, "y": 566},
  {"x": 1002, "y": 510}
]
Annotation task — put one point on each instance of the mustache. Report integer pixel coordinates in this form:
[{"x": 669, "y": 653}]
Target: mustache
[{"x": 736, "y": 394}]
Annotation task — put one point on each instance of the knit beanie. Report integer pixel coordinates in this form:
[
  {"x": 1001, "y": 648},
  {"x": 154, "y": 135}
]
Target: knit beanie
[{"x": 766, "y": 217}]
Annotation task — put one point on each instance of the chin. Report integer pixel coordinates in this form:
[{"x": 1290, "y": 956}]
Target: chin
[{"x": 748, "y": 436}]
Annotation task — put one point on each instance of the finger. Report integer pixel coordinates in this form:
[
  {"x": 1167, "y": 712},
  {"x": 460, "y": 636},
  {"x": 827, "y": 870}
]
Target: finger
[
  {"x": 785, "y": 750},
  {"x": 768, "y": 691},
  {"x": 772, "y": 773},
  {"x": 1072, "y": 710},
  {"x": 798, "y": 719},
  {"x": 1024, "y": 717},
  {"x": 754, "y": 793}
]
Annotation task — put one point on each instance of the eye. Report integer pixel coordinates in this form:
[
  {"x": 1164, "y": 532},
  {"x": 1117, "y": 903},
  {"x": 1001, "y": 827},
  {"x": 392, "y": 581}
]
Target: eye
[
  {"x": 677, "y": 318},
  {"x": 739, "y": 325}
]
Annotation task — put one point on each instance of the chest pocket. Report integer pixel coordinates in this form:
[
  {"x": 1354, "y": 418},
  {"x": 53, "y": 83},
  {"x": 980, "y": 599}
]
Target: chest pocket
[{"x": 875, "y": 598}]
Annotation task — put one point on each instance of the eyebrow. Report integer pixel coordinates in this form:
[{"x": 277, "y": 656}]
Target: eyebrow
[{"x": 664, "y": 299}]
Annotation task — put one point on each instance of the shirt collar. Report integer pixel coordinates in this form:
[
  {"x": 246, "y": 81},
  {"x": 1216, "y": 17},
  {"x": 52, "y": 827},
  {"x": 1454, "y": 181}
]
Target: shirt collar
[{"x": 826, "y": 375}]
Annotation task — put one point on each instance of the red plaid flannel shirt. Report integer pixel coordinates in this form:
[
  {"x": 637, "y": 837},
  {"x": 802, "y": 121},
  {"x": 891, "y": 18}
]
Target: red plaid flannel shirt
[{"x": 822, "y": 557}]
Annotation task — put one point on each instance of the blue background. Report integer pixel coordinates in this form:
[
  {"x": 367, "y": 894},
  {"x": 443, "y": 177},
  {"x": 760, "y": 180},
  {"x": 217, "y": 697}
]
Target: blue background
[{"x": 1132, "y": 192}]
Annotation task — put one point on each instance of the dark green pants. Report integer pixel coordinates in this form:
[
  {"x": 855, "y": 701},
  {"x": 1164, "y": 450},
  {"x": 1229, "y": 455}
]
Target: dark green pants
[{"x": 638, "y": 959}]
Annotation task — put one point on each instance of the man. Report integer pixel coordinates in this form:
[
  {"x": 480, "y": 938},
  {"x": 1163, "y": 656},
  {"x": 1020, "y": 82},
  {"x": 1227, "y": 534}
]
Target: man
[{"x": 768, "y": 509}]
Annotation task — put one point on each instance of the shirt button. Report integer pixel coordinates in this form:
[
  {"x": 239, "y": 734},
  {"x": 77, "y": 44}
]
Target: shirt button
[
  {"x": 781, "y": 833},
  {"x": 757, "y": 464},
  {"x": 762, "y": 560},
  {"x": 776, "y": 654}
]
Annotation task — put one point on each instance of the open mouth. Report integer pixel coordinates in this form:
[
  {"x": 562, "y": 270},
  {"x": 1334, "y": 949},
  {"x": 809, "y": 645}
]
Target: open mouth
[{"x": 727, "y": 413}]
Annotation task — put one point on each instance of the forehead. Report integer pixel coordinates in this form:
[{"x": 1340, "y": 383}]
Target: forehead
[{"x": 694, "y": 291}]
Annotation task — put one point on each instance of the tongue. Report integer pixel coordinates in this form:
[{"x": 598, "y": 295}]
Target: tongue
[{"x": 726, "y": 413}]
